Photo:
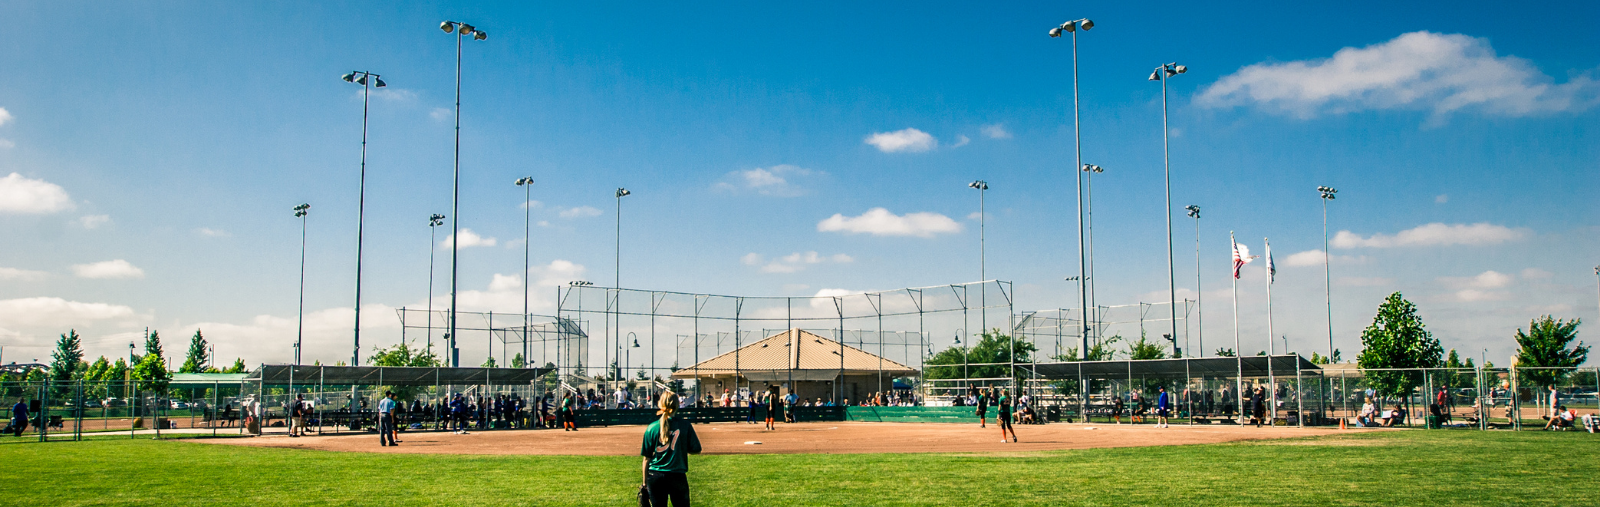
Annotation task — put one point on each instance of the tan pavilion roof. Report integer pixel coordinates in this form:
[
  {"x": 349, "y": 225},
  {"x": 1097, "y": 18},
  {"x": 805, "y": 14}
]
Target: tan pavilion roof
[{"x": 795, "y": 350}]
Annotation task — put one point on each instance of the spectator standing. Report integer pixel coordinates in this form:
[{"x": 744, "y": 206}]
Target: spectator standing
[
  {"x": 297, "y": 416},
  {"x": 1163, "y": 408},
  {"x": 19, "y": 417}
]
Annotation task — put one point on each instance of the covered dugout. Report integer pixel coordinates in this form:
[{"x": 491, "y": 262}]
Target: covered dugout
[
  {"x": 1204, "y": 389},
  {"x": 347, "y": 395},
  {"x": 814, "y": 366}
]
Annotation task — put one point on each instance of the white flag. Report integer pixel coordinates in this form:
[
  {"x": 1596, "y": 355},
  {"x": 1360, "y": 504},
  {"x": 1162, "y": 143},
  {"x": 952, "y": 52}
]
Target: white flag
[{"x": 1272, "y": 269}]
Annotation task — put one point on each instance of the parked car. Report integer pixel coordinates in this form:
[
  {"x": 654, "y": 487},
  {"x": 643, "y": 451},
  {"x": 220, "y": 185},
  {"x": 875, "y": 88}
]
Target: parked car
[
  {"x": 179, "y": 405},
  {"x": 114, "y": 402}
]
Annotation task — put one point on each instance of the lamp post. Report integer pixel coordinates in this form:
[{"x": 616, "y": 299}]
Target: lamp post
[
  {"x": 1077, "y": 144},
  {"x": 300, "y": 329},
  {"x": 526, "y": 183},
  {"x": 1199, "y": 310},
  {"x": 368, "y": 81},
  {"x": 1089, "y": 171},
  {"x": 1328, "y": 194},
  {"x": 983, "y": 289},
  {"x": 616, "y": 316},
  {"x": 1162, "y": 74},
  {"x": 460, "y": 30},
  {"x": 434, "y": 221}
]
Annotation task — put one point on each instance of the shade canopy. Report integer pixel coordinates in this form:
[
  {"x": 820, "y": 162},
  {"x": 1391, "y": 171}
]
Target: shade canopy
[
  {"x": 1253, "y": 366},
  {"x": 284, "y": 374}
]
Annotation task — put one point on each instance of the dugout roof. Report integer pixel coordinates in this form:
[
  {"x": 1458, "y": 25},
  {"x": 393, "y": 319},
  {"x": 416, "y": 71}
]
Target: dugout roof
[
  {"x": 284, "y": 374},
  {"x": 1253, "y": 366},
  {"x": 794, "y": 354}
]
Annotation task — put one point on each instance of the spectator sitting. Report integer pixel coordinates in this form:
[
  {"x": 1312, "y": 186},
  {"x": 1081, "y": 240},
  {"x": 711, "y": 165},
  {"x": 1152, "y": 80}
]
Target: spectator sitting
[
  {"x": 1396, "y": 416},
  {"x": 1368, "y": 411},
  {"x": 1591, "y": 422},
  {"x": 1562, "y": 420}
]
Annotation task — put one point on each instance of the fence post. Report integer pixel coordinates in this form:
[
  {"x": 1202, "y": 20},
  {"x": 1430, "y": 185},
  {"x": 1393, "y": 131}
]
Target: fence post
[{"x": 44, "y": 409}]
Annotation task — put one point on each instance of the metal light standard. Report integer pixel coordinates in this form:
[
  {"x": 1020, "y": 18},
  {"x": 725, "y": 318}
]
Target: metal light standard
[
  {"x": 368, "y": 81},
  {"x": 983, "y": 290},
  {"x": 460, "y": 30},
  {"x": 1328, "y": 194},
  {"x": 300, "y": 329},
  {"x": 434, "y": 221},
  {"x": 527, "y": 220},
  {"x": 1162, "y": 74},
  {"x": 1199, "y": 313},
  {"x": 1089, "y": 171},
  {"x": 1077, "y": 143},
  {"x": 616, "y": 315}
]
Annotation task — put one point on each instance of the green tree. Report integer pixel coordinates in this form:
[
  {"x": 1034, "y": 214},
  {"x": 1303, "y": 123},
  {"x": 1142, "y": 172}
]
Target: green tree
[
  {"x": 1397, "y": 338},
  {"x": 67, "y": 357},
  {"x": 94, "y": 386},
  {"x": 197, "y": 359},
  {"x": 1226, "y": 353},
  {"x": 1548, "y": 344},
  {"x": 489, "y": 363},
  {"x": 992, "y": 347},
  {"x": 238, "y": 366},
  {"x": 518, "y": 362},
  {"x": 1321, "y": 359},
  {"x": 400, "y": 355},
  {"x": 1144, "y": 349},
  {"x": 1101, "y": 351},
  {"x": 152, "y": 345},
  {"x": 151, "y": 373}
]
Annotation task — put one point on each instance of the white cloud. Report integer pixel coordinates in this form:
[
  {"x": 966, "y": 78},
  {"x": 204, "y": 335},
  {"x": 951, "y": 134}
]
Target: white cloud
[
  {"x": 1434, "y": 234},
  {"x": 469, "y": 239},
  {"x": 909, "y": 139},
  {"x": 531, "y": 204},
  {"x": 441, "y": 114},
  {"x": 5, "y": 116},
  {"x": 778, "y": 180},
  {"x": 1472, "y": 295},
  {"x": 1536, "y": 274},
  {"x": 580, "y": 212},
  {"x": 107, "y": 270},
  {"x": 1486, "y": 280},
  {"x": 19, "y": 194},
  {"x": 394, "y": 94},
  {"x": 214, "y": 233},
  {"x": 793, "y": 262},
  {"x": 93, "y": 221},
  {"x": 1314, "y": 258},
  {"x": 1357, "y": 281},
  {"x": 961, "y": 140},
  {"x": 996, "y": 131},
  {"x": 880, "y": 222},
  {"x": 61, "y": 313},
  {"x": 1441, "y": 73},
  {"x": 20, "y": 274},
  {"x": 1441, "y": 198},
  {"x": 7, "y": 144}
]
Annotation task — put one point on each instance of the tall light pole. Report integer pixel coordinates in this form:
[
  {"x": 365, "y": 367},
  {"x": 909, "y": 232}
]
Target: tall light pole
[
  {"x": 1089, "y": 171},
  {"x": 368, "y": 81},
  {"x": 1077, "y": 145},
  {"x": 983, "y": 290},
  {"x": 526, "y": 183},
  {"x": 1328, "y": 194},
  {"x": 434, "y": 221},
  {"x": 616, "y": 315},
  {"x": 1199, "y": 313},
  {"x": 1162, "y": 74},
  {"x": 300, "y": 329},
  {"x": 461, "y": 31}
]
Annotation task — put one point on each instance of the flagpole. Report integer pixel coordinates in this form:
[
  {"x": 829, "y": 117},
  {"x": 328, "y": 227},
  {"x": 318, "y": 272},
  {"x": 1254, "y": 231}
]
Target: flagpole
[
  {"x": 1237, "y": 352},
  {"x": 1272, "y": 272}
]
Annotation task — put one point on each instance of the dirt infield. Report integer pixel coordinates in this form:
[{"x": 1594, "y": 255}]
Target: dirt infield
[{"x": 800, "y": 438}]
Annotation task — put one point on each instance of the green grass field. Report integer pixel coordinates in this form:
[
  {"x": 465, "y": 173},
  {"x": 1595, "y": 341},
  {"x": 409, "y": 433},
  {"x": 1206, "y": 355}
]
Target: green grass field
[{"x": 1388, "y": 468}]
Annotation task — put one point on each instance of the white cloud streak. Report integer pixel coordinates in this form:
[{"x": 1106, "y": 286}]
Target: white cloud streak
[
  {"x": 469, "y": 239},
  {"x": 60, "y": 313},
  {"x": 22, "y": 195},
  {"x": 1441, "y": 73},
  {"x": 909, "y": 139},
  {"x": 793, "y": 262},
  {"x": 106, "y": 270},
  {"x": 777, "y": 181},
  {"x": 880, "y": 222},
  {"x": 20, "y": 274},
  {"x": 1314, "y": 258},
  {"x": 5, "y": 116},
  {"x": 580, "y": 212},
  {"x": 996, "y": 131},
  {"x": 93, "y": 221},
  {"x": 1434, "y": 234}
]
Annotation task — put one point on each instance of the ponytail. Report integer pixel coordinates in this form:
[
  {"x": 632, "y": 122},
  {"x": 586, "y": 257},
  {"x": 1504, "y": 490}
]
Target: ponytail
[{"x": 668, "y": 406}]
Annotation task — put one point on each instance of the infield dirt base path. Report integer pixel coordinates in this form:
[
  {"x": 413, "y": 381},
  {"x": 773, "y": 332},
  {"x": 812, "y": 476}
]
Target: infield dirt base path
[{"x": 799, "y": 438}]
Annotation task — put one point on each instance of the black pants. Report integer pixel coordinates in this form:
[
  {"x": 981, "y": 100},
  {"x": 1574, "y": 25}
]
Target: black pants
[
  {"x": 667, "y": 485},
  {"x": 385, "y": 429}
]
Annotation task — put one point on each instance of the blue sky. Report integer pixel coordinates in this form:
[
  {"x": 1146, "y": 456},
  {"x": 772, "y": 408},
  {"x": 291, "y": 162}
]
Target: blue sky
[{"x": 158, "y": 148}]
